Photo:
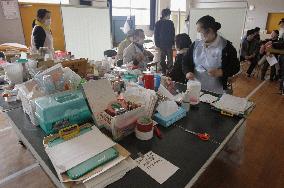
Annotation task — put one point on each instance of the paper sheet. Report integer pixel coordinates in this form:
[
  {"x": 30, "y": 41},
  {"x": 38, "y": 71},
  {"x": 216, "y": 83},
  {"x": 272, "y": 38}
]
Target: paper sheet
[
  {"x": 207, "y": 98},
  {"x": 271, "y": 60},
  {"x": 99, "y": 94},
  {"x": 10, "y": 9},
  {"x": 232, "y": 103},
  {"x": 79, "y": 149},
  {"x": 157, "y": 167}
]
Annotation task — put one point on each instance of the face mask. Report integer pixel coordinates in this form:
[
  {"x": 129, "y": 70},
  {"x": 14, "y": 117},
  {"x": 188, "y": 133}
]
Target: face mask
[
  {"x": 47, "y": 22},
  {"x": 200, "y": 36}
]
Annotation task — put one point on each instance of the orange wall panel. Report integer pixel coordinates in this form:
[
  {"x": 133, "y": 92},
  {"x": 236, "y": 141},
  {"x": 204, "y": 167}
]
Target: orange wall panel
[{"x": 273, "y": 20}]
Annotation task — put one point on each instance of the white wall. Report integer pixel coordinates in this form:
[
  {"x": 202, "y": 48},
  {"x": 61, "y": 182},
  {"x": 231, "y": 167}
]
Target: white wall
[
  {"x": 258, "y": 17},
  {"x": 255, "y": 18},
  {"x": 11, "y": 30}
]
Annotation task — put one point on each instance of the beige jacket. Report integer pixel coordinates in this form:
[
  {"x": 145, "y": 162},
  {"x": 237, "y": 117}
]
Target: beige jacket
[
  {"x": 121, "y": 47},
  {"x": 129, "y": 55}
]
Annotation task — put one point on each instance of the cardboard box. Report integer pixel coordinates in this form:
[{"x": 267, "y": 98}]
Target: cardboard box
[
  {"x": 80, "y": 66},
  {"x": 99, "y": 94}
]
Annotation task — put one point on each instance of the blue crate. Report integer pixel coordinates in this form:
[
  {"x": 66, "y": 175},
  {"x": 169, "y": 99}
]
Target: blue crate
[{"x": 168, "y": 121}]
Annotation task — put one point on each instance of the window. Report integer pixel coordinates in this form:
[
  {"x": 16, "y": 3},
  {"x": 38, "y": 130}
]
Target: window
[
  {"x": 138, "y": 8},
  {"x": 46, "y": 1},
  {"x": 177, "y": 5}
]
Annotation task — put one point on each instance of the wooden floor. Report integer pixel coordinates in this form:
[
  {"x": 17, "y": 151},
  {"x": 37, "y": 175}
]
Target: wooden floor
[{"x": 260, "y": 164}]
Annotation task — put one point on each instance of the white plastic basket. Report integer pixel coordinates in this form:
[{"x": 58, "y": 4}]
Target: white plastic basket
[{"x": 27, "y": 93}]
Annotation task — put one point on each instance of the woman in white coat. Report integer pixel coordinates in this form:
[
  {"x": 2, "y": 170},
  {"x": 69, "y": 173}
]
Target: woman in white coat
[{"x": 41, "y": 33}]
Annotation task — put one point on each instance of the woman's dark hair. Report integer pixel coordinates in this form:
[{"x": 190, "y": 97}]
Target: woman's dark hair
[
  {"x": 250, "y": 32},
  {"x": 209, "y": 22},
  {"x": 41, "y": 13},
  {"x": 33, "y": 24},
  {"x": 182, "y": 41},
  {"x": 256, "y": 29},
  {"x": 166, "y": 12},
  {"x": 276, "y": 31},
  {"x": 281, "y": 21}
]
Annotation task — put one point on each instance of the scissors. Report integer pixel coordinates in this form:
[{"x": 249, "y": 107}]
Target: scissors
[{"x": 201, "y": 136}]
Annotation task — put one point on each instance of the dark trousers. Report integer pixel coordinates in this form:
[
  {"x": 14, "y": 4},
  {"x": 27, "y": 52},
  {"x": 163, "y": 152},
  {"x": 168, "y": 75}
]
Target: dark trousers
[
  {"x": 281, "y": 72},
  {"x": 169, "y": 54},
  {"x": 264, "y": 69},
  {"x": 253, "y": 63}
]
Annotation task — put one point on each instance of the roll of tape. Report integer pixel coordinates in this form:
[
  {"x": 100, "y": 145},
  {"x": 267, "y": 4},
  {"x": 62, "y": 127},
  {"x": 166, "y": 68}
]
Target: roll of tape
[{"x": 144, "y": 135}]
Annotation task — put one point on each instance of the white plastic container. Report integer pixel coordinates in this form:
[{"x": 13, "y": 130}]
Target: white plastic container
[
  {"x": 27, "y": 93},
  {"x": 193, "y": 91},
  {"x": 14, "y": 72}
]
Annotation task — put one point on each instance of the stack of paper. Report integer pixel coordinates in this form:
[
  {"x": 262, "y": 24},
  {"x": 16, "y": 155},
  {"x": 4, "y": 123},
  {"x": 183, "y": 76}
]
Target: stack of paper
[
  {"x": 232, "y": 104},
  {"x": 207, "y": 98},
  {"x": 71, "y": 153}
]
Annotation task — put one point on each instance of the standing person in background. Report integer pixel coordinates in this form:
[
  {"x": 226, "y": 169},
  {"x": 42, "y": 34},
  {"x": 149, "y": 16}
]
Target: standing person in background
[
  {"x": 211, "y": 60},
  {"x": 256, "y": 34},
  {"x": 124, "y": 44},
  {"x": 183, "y": 43},
  {"x": 281, "y": 29},
  {"x": 41, "y": 33},
  {"x": 164, "y": 39},
  {"x": 249, "y": 51},
  {"x": 273, "y": 38}
]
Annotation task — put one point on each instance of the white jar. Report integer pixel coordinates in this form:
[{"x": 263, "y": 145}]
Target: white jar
[{"x": 193, "y": 91}]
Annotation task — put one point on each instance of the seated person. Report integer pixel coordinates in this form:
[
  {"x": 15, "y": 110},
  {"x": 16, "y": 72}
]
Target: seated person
[
  {"x": 183, "y": 43},
  {"x": 273, "y": 38},
  {"x": 249, "y": 51},
  {"x": 124, "y": 44},
  {"x": 211, "y": 60},
  {"x": 135, "y": 52}
]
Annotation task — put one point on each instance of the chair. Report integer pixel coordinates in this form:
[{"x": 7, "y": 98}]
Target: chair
[{"x": 110, "y": 53}]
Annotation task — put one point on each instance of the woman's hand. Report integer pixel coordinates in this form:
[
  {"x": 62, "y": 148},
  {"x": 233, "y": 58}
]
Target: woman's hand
[
  {"x": 189, "y": 76},
  {"x": 215, "y": 72}
]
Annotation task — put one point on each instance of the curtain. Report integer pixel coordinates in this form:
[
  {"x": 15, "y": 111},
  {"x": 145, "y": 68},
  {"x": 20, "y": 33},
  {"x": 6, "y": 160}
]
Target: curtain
[{"x": 152, "y": 14}]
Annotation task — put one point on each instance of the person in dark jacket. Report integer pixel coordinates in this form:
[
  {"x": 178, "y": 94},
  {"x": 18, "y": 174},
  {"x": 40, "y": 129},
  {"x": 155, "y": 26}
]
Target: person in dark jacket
[
  {"x": 183, "y": 43},
  {"x": 256, "y": 34},
  {"x": 273, "y": 38},
  {"x": 164, "y": 39},
  {"x": 211, "y": 60},
  {"x": 41, "y": 33},
  {"x": 249, "y": 51}
]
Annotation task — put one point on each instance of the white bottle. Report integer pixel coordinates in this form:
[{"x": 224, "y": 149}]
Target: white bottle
[{"x": 193, "y": 91}]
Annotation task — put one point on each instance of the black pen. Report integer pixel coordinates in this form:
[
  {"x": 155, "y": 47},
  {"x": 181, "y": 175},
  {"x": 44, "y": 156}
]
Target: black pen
[{"x": 204, "y": 68}]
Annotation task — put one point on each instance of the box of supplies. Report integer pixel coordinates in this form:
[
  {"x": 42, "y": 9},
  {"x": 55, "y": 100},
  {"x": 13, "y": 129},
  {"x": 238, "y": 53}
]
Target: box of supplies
[
  {"x": 103, "y": 101},
  {"x": 80, "y": 66},
  {"x": 170, "y": 120},
  {"x": 58, "y": 110}
]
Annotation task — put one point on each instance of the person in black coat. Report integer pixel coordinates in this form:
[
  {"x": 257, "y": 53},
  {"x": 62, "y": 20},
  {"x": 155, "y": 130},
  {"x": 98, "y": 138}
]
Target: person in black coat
[
  {"x": 183, "y": 43},
  {"x": 211, "y": 59},
  {"x": 164, "y": 36}
]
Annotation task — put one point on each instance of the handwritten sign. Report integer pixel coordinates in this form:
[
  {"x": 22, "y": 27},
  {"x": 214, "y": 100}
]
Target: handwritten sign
[
  {"x": 157, "y": 167},
  {"x": 10, "y": 9}
]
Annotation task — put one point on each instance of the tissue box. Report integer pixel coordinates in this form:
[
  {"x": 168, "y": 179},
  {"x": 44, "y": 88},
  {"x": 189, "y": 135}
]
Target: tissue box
[
  {"x": 53, "y": 110},
  {"x": 99, "y": 94},
  {"x": 168, "y": 121},
  {"x": 27, "y": 92}
]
